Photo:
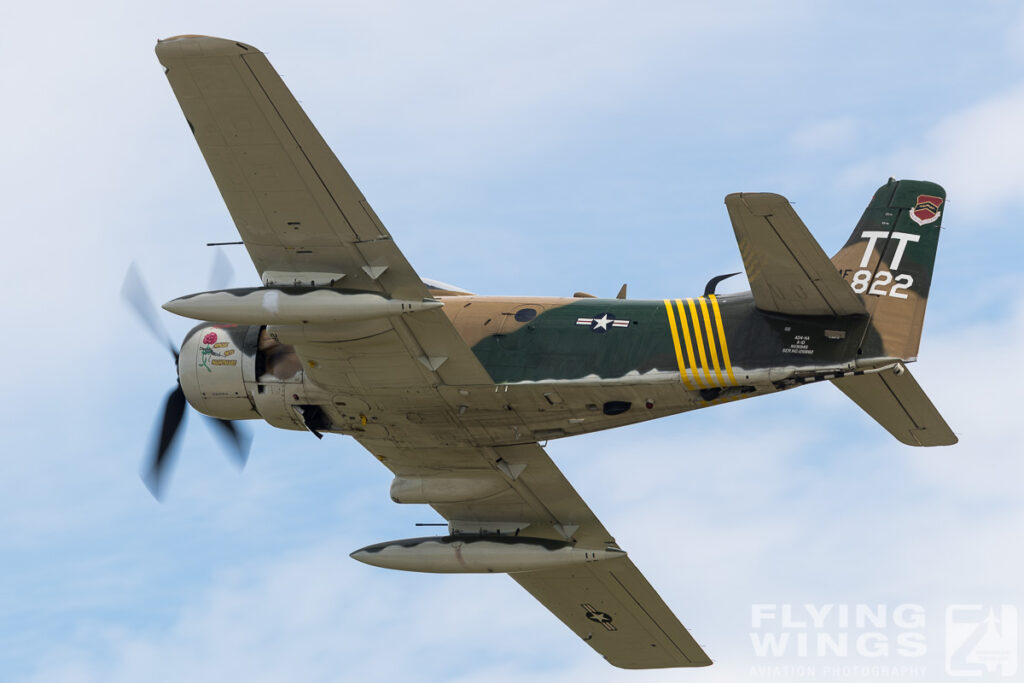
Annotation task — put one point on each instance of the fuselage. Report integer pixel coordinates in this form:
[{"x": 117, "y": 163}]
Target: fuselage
[
  {"x": 612, "y": 361},
  {"x": 560, "y": 366},
  {"x": 703, "y": 343}
]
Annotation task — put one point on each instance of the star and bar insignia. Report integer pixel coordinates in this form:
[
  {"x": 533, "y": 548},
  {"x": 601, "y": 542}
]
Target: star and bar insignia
[
  {"x": 602, "y": 323},
  {"x": 599, "y": 617}
]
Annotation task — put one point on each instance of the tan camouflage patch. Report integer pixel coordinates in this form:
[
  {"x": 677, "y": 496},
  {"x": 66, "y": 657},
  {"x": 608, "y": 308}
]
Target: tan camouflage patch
[{"x": 479, "y": 317}]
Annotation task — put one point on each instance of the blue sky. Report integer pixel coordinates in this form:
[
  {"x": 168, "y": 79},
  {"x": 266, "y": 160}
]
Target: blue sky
[{"x": 540, "y": 149}]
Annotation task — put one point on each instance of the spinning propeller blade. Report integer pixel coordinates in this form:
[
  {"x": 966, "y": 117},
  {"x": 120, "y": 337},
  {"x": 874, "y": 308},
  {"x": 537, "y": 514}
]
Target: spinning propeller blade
[
  {"x": 221, "y": 272},
  {"x": 174, "y": 414},
  {"x": 134, "y": 292},
  {"x": 235, "y": 439}
]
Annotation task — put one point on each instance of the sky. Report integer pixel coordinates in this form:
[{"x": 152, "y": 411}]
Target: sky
[{"x": 511, "y": 148}]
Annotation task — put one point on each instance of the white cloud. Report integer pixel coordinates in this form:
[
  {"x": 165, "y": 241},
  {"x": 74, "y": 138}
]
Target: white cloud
[
  {"x": 315, "y": 616},
  {"x": 971, "y": 375},
  {"x": 975, "y": 153}
]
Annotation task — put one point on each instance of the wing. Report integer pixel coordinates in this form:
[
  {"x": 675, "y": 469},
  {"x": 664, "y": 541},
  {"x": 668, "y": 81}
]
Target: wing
[
  {"x": 300, "y": 215},
  {"x": 613, "y": 608},
  {"x": 898, "y": 403},
  {"x": 609, "y": 604},
  {"x": 787, "y": 269}
]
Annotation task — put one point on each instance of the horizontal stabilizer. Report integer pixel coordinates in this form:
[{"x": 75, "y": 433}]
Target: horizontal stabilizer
[
  {"x": 896, "y": 401},
  {"x": 787, "y": 269}
]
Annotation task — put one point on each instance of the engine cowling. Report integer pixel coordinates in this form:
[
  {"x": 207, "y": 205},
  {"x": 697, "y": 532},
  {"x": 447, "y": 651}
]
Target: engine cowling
[
  {"x": 242, "y": 372},
  {"x": 216, "y": 367}
]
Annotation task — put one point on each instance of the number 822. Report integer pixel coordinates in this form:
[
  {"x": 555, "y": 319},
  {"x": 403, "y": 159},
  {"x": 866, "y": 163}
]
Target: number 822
[{"x": 879, "y": 285}]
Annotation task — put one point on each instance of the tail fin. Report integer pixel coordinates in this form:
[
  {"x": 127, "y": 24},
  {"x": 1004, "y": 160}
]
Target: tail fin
[{"x": 889, "y": 261}]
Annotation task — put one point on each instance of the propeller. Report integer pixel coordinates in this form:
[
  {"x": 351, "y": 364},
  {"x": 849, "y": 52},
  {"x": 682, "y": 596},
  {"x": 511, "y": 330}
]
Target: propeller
[
  {"x": 136, "y": 295},
  {"x": 235, "y": 440},
  {"x": 221, "y": 272}
]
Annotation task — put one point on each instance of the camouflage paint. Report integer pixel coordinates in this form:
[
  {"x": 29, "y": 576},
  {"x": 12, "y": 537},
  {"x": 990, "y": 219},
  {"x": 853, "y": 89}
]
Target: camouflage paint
[
  {"x": 890, "y": 259},
  {"x": 714, "y": 342},
  {"x": 706, "y": 342}
]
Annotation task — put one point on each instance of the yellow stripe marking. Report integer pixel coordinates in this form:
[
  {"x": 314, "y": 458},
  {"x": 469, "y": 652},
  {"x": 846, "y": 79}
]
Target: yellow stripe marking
[
  {"x": 675, "y": 343},
  {"x": 699, "y": 338},
  {"x": 689, "y": 346},
  {"x": 721, "y": 338},
  {"x": 711, "y": 339}
]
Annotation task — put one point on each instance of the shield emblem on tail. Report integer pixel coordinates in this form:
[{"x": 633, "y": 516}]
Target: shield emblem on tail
[{"x": 926, "y": 209}]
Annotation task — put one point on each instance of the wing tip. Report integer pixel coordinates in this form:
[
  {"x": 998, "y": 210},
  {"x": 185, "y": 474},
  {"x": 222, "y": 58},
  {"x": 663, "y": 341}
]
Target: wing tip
[
  {"x": 635, "y": 665},
  {"x": 932, "y": 438},
  {"x": 205, "y": 45},
  {"x": 742, "y": 196}
]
